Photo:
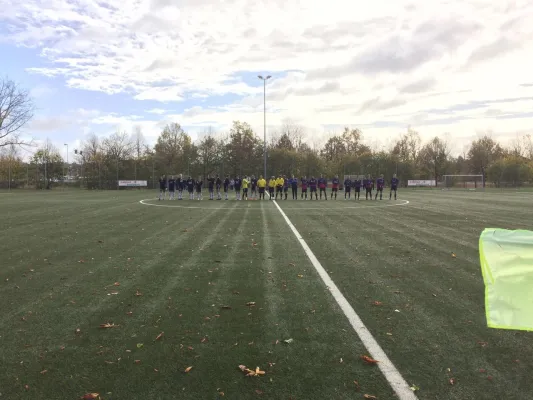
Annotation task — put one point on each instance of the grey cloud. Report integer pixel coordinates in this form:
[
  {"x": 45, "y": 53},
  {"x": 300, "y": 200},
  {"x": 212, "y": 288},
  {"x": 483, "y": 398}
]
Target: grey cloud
[
  {"x": 526, "y": 84},
  {"x": 47, "y": 124},
  {"x": 516, "y": 115},
  {"x": 419, "y": 86},
  {"x": 492, "y": 50},
  {"x": 329, "y": 34},
  {"x": 328, "y": 87},
  {"x": 160, "y": 64},
  {"x": 282, "y": 94},
  {"x": 429, "y": 41},
  {"x": 472, "y": 105},
  {"x": 377, "y": 104}
]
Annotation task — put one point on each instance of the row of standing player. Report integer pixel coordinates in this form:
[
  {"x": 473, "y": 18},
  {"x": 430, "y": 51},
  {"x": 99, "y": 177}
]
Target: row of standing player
[{"x": 276, "y": 186}]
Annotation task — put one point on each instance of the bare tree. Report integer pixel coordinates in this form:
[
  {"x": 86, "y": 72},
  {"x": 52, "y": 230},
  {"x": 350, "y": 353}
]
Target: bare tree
[
  {"x": 16, "y": 109},
  {"x": 139, "y": 144}
]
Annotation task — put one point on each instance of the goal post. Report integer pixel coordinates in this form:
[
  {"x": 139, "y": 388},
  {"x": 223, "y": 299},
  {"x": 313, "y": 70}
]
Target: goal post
[{"x": 465, "y": 182}]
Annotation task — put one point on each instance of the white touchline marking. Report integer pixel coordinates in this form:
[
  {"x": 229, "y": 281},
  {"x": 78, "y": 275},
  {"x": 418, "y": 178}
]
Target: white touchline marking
[{"x": 392, "y": 375}]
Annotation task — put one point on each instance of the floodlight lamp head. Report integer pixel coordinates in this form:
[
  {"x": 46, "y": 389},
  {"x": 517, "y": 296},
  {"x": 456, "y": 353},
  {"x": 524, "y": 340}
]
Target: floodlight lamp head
[
  {"x": 268, "y": 77},
  {"x": 260, "y": 76}
]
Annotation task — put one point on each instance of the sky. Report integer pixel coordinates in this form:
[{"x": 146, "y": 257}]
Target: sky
[{"x": 455, "y": 69}]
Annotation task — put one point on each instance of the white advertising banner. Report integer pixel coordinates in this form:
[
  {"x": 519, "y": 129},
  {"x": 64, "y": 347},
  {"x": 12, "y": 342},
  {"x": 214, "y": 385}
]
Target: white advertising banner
[
  {"x": 133, "y": 183},
  {"x": 414, "y": 182}
]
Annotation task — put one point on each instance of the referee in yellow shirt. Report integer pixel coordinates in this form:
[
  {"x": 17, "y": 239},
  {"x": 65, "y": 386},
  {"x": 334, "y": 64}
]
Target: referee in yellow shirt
[
  {"x": 279, "y": 187},
  {"x": 245, "y": 182},
  {"x": 261, "y": 185},
  {"x": 271, "y": 187}
]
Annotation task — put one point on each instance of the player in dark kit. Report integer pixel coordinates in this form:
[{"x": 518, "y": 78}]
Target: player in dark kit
[
  {"x": 162, "y": 187},
  {"x": 312, "y": 188},
  {"x": 218, "y": 185},
  {"x": 226, "y": 187},
  {"x": 347, "y": 188},
  {"x": 380, "y": 184},
  {"x": 253, "y": 184},
  {"x": 305, "y": 183},
  {"x": 198, "y": 185},
  {"x": 171, "y": 188},
  {"x": 211, "y": 187},
  {"x": 179, "y": 186},
  {"x": 237, "y": 183},
  {"x": 394, "y": 182},
  {"x": 322, "y": 185},
  {"x": 368, "y": 186},
  {"x": 190, "y": 188},
  {"x": 294, "y": 187},
  {"x": 334, "y": 186},
  {"x": 357, "y": 188}
]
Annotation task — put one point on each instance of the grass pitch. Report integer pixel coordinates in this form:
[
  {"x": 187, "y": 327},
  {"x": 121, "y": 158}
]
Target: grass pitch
[{"x": 71, "y": 261}]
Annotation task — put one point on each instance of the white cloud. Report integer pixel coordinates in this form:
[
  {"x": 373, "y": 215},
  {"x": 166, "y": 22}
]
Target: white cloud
[{"x": 381, "y": 64}]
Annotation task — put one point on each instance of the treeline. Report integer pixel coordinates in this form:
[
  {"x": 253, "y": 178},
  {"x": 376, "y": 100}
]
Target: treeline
[{"x": 100, "y": 162}]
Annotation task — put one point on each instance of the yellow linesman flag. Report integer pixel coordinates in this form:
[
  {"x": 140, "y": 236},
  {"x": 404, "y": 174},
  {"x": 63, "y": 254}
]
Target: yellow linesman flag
[{"x": 507, "y": 265}]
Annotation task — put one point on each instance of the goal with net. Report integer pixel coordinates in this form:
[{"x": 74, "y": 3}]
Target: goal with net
[{"x": 468, "y": 182}]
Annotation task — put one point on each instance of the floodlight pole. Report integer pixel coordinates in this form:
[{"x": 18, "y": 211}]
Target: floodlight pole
[
  {"x": 264, "y": 124},
  {"x": 66, "y": 144}
]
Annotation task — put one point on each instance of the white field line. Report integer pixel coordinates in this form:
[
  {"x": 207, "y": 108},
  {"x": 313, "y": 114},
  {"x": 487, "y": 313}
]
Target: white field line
[
  {"x": 392, "y": 375},
  {"x": 403, "y": 203}
]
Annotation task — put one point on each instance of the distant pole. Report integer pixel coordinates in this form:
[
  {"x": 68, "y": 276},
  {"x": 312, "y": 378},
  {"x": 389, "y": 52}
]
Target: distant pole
[
  {"x": 66, "y": 176},
  {"x": 9, "y": 175},
  {"x": 117, "y": 173},
  {"x": 153, "y": 172},
  {"x": 264, "y": 125}
]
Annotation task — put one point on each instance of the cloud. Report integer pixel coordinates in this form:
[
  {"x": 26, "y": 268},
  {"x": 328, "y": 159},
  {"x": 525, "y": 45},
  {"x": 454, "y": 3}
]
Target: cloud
[
  {"x": 422, "y": 85},
  {"x": 379, "y": 64},
  {"x": 158, "y": 111}
]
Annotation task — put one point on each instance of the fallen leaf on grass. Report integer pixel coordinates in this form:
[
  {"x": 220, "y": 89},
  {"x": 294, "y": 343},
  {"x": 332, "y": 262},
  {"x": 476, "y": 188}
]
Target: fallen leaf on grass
[
  {"x": 90, "y": 396},
  {"x": 369, "y": 396},
  {"x": 220, "y": 392},
  {"x": 414, "y": 388},
  {"x": 159, "y": 336},
  {"x": 77, "y": 331},
  {"x": 452, "y": 381},
  {"x": 100, "y": 241},
  {"x": 139, "y": 345},
  {"x": 203, "y": 340},
  {"x": 81, "y": 261},
  {"x": 369, "y": 360},
  {"x": 300, "y": 276},
  {"x": 137, "y": 361},
  {"x": 156, "y": 370},
  {"x": 116, "y": 284},
  {"x": 288, "y": 341},
  {"x": 453, "y": 255},
  {"x": 251, "y": 304},
  {"x": 129, "y": 313},
  {"x": 137, "y": 293},
  {"x": 187, "y": 369},
  {"x": 292, "y": 265},
  {"x": 112, "y": 293},
  {"x": 482, "y": 344},
  {"x": 226, "y": 307},
  {"x": 482, "y": 370},
  {"x": 26, "y": 387},
  {"x": 377, "y": 303},
  {"x": 43, "y": 372},
  {"x": 357, "y": 387},
  {"x": 108, "y": 325},
  {"x": 258, "y": 391}
]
